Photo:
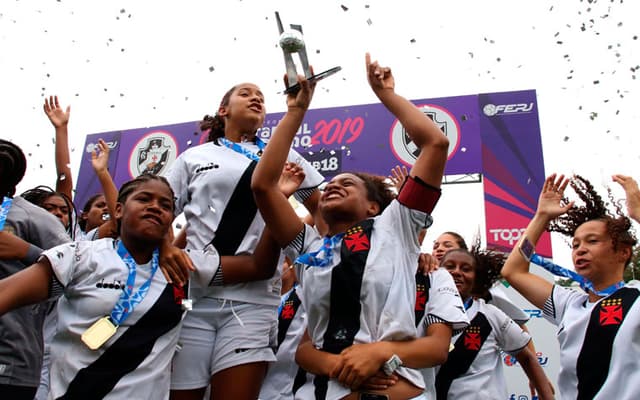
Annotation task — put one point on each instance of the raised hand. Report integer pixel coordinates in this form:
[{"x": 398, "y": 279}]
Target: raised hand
[
  {"x": 632, "y": 192},
  {"x": 100, "y": 157},
  {"x": 302, "y": 98},
  {"x": 56, "y": 114},
  {"x": 398, "y": 175},
  {"x": 292, "y": 176},
  {"x": 550, "y": 200},
  {"x": 380, "y": 78}
]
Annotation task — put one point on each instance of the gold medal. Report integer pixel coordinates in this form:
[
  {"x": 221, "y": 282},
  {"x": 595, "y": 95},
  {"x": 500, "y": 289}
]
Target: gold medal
[{"x": 99, "y": 333}]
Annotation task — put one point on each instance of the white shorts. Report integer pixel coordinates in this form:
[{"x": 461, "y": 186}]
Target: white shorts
[{"x": 219, "y": 334}]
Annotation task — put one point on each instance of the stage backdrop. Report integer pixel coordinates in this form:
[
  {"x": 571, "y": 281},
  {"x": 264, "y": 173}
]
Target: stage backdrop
[{"x": 496, "y": 135}]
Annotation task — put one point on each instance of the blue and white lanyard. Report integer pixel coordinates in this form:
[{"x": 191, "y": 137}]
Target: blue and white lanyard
[
  {"x": 129, "y": 300},
  {"x": 322, "y": 257},
  {"x": 4, "y": 210},
  {"x": 467, "y": 303},
  {"x": 584, "y": 283},
  {"x": 244, "y": 151}
]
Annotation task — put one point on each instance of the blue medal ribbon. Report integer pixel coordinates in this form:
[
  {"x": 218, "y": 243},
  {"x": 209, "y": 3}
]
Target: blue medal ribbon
[
  {"x": 584, "y": 283},
  {"x": 467, "y": 303},
  {"x": 4, "y": 210},
  {"x": 130, "y": 299},
  {"x": 322, "y": 257},
  {"x": 243, "y": 150}
]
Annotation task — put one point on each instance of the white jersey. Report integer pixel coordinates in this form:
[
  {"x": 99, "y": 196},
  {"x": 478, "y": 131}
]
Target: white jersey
[
  {"x": 284, "y": 373},
  {"x": 387, "y": 288},
  {"x": 500, "y": 299},
  {"x": 443, "y": 305},
  {"x": 590, "y": 365},
  {"x": 484, "y": 378},
  {"x": 134, "y": 363},
  {"x": 212, "y": 184}
]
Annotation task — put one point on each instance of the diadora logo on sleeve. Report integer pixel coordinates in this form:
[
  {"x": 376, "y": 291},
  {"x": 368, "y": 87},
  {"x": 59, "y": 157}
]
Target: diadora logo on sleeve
[
  {"x": 491, "y": 110},
  {"x": 406, "y": 151}
]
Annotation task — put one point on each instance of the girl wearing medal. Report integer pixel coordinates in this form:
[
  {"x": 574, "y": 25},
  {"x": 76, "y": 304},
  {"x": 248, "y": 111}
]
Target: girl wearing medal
[
  {"x": 118, "y": 317},
  {"x": 598, "y": 328},
  {"x": 358, "y": 282},
  {"x": 474, "y": 366},
  {"x": 230, "y": 335}
]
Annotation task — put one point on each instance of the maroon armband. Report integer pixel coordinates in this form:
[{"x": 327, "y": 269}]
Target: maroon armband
[{"x": 418, "y": 195}]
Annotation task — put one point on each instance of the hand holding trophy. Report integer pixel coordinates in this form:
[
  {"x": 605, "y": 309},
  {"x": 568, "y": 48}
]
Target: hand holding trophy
[{"x": 291, "y": 41}]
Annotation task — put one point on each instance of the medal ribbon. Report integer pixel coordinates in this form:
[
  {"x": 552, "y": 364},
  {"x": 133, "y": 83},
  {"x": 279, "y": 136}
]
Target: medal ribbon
[
  {"x": 467, "y": 303},
  {"x": 322, "y": 257},
  {"x": 244, "y": 151},
  {"x": 584, "y": 283},
  {"x": 4, "y": 210},
  {"x": 129, "y": 300}
]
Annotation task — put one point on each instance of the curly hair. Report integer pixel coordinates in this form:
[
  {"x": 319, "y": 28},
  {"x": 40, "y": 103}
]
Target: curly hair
[
  {"x": 594, "y": 208},
  {"x": 215, "y": 124},
  {"x": 13, "y": 165},
  {"x": 488, "y": 266},
  {"x": 378, "y": 188}
]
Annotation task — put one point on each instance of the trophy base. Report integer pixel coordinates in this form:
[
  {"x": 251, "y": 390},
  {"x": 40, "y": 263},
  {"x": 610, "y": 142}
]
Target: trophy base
[{"x": 315, "y": 78}]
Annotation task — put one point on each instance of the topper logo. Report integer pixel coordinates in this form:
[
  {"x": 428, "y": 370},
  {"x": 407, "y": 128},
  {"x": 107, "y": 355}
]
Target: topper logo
[
  {"x": 491, "y": 109},
  {"x": 507, "y": 235},
  {"x": 91, "y": 146}
]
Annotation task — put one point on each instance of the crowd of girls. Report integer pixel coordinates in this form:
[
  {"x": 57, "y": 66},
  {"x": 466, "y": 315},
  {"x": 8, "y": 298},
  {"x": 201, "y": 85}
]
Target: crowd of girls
[{"x": 250, "y": 301}]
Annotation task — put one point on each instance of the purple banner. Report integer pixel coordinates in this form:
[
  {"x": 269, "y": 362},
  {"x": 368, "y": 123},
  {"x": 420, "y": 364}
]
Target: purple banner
[{"x": 496, "y": 134}]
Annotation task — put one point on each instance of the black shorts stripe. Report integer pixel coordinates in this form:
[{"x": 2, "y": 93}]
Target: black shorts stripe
[{"x": 237, "y": 216}]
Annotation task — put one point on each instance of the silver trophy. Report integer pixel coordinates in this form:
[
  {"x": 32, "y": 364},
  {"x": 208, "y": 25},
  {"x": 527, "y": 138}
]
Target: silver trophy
[{"x": 291, "y": 41}]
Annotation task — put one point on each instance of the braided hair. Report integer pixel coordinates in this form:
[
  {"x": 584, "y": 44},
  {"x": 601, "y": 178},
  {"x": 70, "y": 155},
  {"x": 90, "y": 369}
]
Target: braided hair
[
  {"x": 13, "y": 165},
  {"x": 130, "y": 186},
  {"x": 595, "y": 208},
  {"x": 39, "y": 194}
]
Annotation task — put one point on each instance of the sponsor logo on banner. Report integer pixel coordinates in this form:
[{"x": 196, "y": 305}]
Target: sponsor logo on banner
[
  {"x": 510, "y": 235},
  {"x": 407, "y": 151},
  {"x": 491, "y": 110},
  {"x": 152, "y": 154},
  {"x": 91, "y": 146},
  {"x": 510, "y": 360}
]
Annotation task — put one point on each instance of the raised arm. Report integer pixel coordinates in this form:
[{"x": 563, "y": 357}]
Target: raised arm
[
  {"x": 60, "y": 119},
  {"x": 100, "y": 163},
  {"x": 274, "y": 206},
  {"x": 429, "y": 166},
  {"x": 632, "y": 193},
  {"x": 516, "y": 269}
]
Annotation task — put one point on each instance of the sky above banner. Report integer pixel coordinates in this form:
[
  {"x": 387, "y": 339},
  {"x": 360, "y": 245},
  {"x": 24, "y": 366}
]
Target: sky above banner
[{"x": 147, "y": 63}]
